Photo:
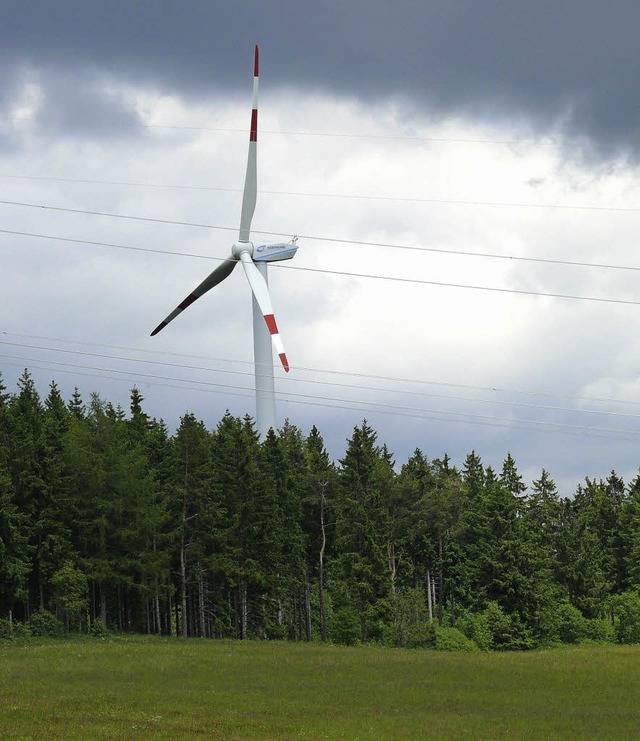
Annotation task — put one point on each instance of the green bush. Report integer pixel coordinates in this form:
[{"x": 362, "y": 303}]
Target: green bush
[
  {"x": 452, "y": 639},
  {"x": 6, "y": 628},
  {"x": 600, "y": 630},
  {"x": 44, "y": 623},
  {"x": 626, "y": 611},
  {"x": 98, "y": 629},
  {"x": 568, "y": 624},
  {"x": 378, "y": 621},
  {"x": 12, "y": 629},
  {"x": 344, "y": 627},
  {"x": 476, "y": 627},
  {"x": 507, "y": 631},
  {"x": 21, "y": 630}
]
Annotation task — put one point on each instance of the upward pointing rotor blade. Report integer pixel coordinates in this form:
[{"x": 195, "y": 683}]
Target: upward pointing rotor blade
[
  {"x": 251, "y": 177},
  {"x": 217, "y": 276},
  {"x": 261, "y": 292}
]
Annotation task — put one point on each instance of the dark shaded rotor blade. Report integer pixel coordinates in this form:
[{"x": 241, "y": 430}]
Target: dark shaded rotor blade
[{"x": 223, "y": 271}]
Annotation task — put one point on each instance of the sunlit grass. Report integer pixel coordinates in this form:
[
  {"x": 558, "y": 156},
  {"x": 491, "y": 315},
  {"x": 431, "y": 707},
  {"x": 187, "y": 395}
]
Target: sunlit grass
[{"x": 172, "y": 689}]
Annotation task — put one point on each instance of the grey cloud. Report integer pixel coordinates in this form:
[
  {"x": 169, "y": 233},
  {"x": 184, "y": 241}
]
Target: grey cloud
[
  {"x": 82, "y": 107},
  {"x": 493, "y": 59}
]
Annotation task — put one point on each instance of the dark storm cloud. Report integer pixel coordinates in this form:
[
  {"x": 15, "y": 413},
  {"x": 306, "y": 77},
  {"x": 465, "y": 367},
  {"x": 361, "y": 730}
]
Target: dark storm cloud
[
  {"x": 536, "y": 59},
  {"x": 516, "y": 57},
  {"x": 84, "y": 108}
]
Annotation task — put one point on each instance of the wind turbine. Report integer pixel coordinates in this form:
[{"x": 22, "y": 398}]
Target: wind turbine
[{"x": 254, "y": 260}]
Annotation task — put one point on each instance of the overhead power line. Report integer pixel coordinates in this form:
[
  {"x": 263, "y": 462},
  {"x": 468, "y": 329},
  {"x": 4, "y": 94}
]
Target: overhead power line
[
  {"x": 336, "y": 240},
  {"x": 332, "y": 372},
  {"x": 346, "y": 196},
  {"x": 293, "y": 379},
  {"x": 352, "y": 274},
  {"x": 340, "y": 135},
  {"x": 376, "y": 407}
]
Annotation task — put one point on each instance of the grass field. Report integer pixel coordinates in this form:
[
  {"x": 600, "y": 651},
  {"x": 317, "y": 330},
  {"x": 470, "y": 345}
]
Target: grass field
[{"x": 137, "y": 688}]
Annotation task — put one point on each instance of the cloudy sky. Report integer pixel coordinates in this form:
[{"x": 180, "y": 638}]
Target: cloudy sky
[{"x": 463, "y": 178}]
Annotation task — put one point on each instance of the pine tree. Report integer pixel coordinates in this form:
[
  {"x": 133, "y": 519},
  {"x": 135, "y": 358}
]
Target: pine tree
[
  {"x": 630, "y": 526},
  {"x": 236, "y": 489},
  {"x": 189, "y": 497},
  {"x": 542, "y": 533},
  {"x": 361, "y": 581},
  {"x": 15, "y": 555},
  {"x": 55, "y": 522},
  {"x": 75, "y": 406},
  {"x": 25, "y": 463},
  {"x": 318, "y": 515}
]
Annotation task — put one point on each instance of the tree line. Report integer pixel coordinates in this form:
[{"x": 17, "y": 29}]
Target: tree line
[{"x": 108, "y": 522}]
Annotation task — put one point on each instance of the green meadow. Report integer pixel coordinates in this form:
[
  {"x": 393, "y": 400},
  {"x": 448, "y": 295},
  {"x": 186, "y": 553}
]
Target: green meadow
[{"x": 138, "y": 688}]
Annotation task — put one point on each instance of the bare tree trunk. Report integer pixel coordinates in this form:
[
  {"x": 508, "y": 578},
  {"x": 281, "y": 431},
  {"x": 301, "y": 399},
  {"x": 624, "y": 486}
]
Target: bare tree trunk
[
  {"x": 393, "y": 565},
  {"x": 169, "y": 614},
  {"x": 183, "y": 587},
  {"x": 242, "y": 599},
  {"x": 103, "y": 604},
  {"x": 429, "y": 596},
  {"x": 323, "y": 610},
  {"x": 440, "y": 581},
  {"x": 156, "y": 605},
  {"x": 119, "y": 607},
  {"x": 203, "y": 629},
  {"x": 433, "y": 591},
  {"x": 307, "y": 607}
]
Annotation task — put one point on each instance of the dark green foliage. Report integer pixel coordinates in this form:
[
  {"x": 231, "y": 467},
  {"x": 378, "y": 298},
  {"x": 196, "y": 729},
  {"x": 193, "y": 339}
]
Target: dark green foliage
[
  {"x": 110, "y": 523},
  {"x": 44, "y": 623},
  {"x": 345, "y": 626}
]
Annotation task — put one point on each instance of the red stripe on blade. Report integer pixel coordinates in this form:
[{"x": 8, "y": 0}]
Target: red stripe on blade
[
  {"x": 271, "y": 323},
  {"x": 256, "y": 63},
  {"x": 284, "y": 361},
  {"x": 253, "y": 136}
]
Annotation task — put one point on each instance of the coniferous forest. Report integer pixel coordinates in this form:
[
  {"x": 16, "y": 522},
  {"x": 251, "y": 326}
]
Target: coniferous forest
[{"x": 110, "y": 523}]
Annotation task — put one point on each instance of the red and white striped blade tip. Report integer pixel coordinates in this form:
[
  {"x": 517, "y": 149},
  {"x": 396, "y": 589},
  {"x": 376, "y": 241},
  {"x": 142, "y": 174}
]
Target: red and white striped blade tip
[{"x": 275, "y": 337}]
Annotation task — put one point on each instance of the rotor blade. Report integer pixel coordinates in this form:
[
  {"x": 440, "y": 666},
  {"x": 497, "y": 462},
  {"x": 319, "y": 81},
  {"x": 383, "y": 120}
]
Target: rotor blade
[
  {"x": 217, "y": 276},
  {"x": 261, "y": 292},
  {"x": 251, "y": 177}
]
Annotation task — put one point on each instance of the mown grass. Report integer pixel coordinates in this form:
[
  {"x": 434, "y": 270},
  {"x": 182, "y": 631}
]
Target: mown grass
[{"x": 139, "y": 688}]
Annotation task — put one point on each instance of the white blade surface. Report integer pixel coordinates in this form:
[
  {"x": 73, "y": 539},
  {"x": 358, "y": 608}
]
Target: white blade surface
[
  {"x": 261, "y": 292},
  {"x": 251, "y": 177},
  {"x": 217, "y": 276}
]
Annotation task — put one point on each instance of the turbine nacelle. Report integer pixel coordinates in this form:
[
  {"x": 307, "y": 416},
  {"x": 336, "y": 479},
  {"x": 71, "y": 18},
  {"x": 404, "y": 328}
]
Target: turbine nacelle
[
  {"x": 266, "y": 252},
  {"x": 274, "y": 252}
]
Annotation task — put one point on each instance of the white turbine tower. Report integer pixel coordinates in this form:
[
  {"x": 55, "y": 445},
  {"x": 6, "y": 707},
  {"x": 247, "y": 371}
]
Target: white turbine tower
[{"x": 254, "y": 260}]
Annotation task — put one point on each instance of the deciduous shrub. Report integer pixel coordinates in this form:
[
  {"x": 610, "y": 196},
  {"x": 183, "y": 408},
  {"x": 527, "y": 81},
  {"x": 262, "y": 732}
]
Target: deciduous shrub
[
  {"x": 476, "y": 627},
  {"x": 626, "y": 611},
  {"x": 452, "y": 639},
  {"x": 44, "y": 623}
]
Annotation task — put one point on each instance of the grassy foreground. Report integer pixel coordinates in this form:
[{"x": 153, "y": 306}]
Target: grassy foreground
[{"x": 138, "y": 688}]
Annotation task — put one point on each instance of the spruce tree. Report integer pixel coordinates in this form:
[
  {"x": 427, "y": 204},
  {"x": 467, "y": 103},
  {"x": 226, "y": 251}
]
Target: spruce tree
[{"x": 361, "y": 582}]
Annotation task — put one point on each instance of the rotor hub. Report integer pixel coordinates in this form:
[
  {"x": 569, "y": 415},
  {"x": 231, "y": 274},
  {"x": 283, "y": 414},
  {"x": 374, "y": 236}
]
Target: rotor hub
[{"x": 239, "y": 247}]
